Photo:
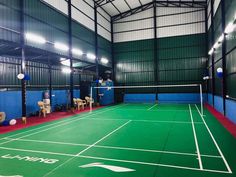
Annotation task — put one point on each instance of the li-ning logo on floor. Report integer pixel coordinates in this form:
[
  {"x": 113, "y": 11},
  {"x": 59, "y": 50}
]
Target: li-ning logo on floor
[{"x": 30, "y": 159}]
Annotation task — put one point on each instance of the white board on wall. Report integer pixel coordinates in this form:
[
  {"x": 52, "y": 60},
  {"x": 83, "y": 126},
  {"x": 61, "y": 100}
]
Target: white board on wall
[
  {"x": 60, "y": 5},
  {"x": 216, "y": 5},
  {"x": 134, "y": 35},
  {"x": 195, "y": 28},
  {"x": 81, "y": 18}
]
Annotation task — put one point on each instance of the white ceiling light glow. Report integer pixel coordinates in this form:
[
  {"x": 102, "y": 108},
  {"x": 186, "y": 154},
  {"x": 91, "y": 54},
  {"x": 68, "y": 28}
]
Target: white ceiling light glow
[
  {"x": 61, "y": 46},
  {"x": 211, "y": 51},
  {"x": 65, "y": 62},
  {"x": 77, "y": 51},
  {"x": 66, "y": 70},
  {"x": 91, "y": 56},
  {"x": 104, "y": 60},
  {"x": 229, "y": 28},
  {"x": 221, "y": 38},
  {"x": 35, "y": 38},
  {"x": 216, "y": 45}
]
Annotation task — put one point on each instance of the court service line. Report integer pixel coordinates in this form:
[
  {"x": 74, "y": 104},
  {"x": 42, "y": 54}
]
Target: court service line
[
  {"x": 114, "y": 160},
  {"x": 151, "y": 121},
  {"x": 152, "y": 107},
  {"x": 153, "y": 164},
  {"x": 195, "y": 139},
  {"x": 117, "y": 148},
  {"x": 50, "y": 124},
  {"x": 77, "y": 155},
  {"x": 67, "y": 122},
  {"x": 157, "y": 110},
  {"x": 216, "y": 144}
]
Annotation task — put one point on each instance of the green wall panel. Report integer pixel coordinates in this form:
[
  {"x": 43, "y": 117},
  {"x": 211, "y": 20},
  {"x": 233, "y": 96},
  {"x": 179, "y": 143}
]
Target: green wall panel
[
  {"x": 134, "y": 62},
  {"x": 230, "y": 9},
  {"x": 104, "y": 49},
  {"x": 9, "y": 18},
  {"x": 45, "y": 13},
  {"x": 181, "y": 59}
]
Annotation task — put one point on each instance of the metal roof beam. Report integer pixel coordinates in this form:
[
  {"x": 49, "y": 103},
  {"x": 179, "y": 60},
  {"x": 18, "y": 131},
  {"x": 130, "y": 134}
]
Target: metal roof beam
[
  {"x": 189, "y": 3},
  {"x": 100, "y": 3},
  {"x": 169, "y": 3},
  {"x": 133, "y": 11}
]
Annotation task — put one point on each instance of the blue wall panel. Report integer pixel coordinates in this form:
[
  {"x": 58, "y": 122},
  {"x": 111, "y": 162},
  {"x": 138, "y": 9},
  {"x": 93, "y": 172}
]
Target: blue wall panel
[
  {"x": 10, "y": 103},
  {"x": 76, "y": 93},
  {"x": 62, "y": 97},
  {"x": 231, "y": 110},
  {"x": 108, "y": 94},
  {"x": 32, "y": 98},
  {"x": 180, "y": 98},
  {"x": 140, "y": 98},
  {"x": 219, "y": 104},
  {"x": 210, "y": 99}
]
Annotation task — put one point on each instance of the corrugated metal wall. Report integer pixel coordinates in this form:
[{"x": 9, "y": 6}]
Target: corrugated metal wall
[
  {"x": 180, "y": 21},
  {"x": 181, "y": 47},
  {"x": 134, "y": 62},
  {"x": 49, "y": 19},
  {"x": 230, "y": 9},
  {"x": 9, "y": 23},
  {"x": 136, "y": 27},
  {"x": 39, "y": 75},
  {"x": 182, "y": 59}
]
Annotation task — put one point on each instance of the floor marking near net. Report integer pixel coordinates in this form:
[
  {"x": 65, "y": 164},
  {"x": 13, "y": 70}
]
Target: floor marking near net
[
  {"x": 78, "y": 154},
  {"x": 195, "y": 139},
  {"x": 60, "y": 124},
  {"x": 151, "y": 121},
  {"x": 213, "y": 139},
  {"x": 48, "y": 125},
  {"x": 118, "y": 148},
  {"x": 152, "y": 107}
]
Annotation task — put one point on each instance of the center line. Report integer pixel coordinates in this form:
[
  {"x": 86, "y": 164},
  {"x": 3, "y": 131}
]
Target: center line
[
  {"x": 77, "y": 155},
  {"x": 152, "y": 107},
  {"x": 195, "y": 138}
]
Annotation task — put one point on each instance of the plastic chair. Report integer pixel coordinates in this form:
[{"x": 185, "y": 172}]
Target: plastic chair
[{"x": 42, "y": 109}]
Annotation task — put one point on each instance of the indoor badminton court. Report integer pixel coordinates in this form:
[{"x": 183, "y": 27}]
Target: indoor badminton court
[{"x": 117, "y": 88}]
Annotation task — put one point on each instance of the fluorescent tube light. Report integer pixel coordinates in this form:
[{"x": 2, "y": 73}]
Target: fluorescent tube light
[
  {"x": 61, "y": 46},
  {"x": 35, "y": 38}
]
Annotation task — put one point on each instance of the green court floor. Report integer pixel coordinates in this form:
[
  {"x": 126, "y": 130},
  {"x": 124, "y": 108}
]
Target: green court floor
[{"x": 127, "y": 140}]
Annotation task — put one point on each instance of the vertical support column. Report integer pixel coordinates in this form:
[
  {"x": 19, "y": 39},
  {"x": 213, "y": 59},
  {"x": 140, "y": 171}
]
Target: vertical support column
[
  {"x": 224, "y": 83},
  {"x": 23, "y": 62},
  {"x": 70, "y": 56},
  {"x": 96, "y": 47},
  {"x": 156, "y": 69},
  {"x": 112, "y": 52},
  {"x": 206, "y": 41},
  {"x": 96, "y": 40},
  {"x": 50, "y": 84},
  {"x": 213, "y": 55}
]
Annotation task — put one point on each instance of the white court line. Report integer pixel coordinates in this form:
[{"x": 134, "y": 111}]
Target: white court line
[
  {"x": 50, "y": 124},
  {"x": 88, "y": 148},
  {"x": 195, "y": 138},
  {"x": 216, "y": 144},
  {"x": 157, "y": 110},
  {"x": 152, "y": 107},
  {"x": 62, "y": 124},
  {"x": 114, "y": 160},
  {"x": 151, "y": 121},
  {"x": 117, "y": 148}
]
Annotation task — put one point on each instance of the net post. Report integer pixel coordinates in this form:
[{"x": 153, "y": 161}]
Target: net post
[
  {"x": 201, "y": 99},
  {"x": 90, "y": 101}
]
